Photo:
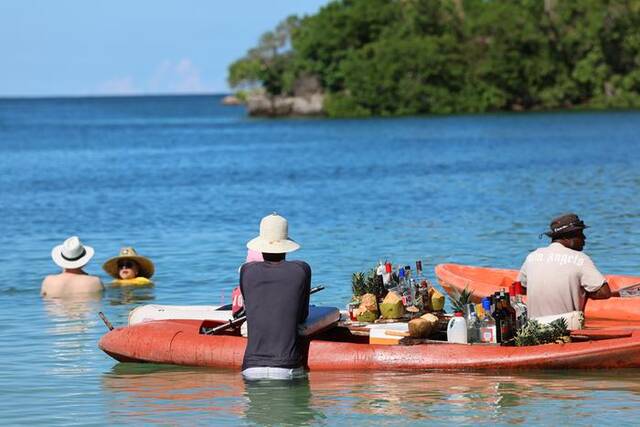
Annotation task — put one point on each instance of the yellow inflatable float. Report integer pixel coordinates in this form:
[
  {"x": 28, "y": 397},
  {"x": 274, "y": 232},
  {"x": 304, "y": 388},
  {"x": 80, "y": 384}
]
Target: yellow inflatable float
[
  {"x": 138, "y": 281},
  {"x": 129, "y": 268}
]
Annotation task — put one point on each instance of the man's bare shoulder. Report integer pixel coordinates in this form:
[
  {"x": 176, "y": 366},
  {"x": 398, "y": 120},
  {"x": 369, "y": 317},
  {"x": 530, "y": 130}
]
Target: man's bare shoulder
[
  {"x": 50, "y": 279},
  {"x": 86, "y": 283},
  {"x": 52, "y": 285},
  {"x": 55, "y": 279},
  {"x": 65, "y": 284}
]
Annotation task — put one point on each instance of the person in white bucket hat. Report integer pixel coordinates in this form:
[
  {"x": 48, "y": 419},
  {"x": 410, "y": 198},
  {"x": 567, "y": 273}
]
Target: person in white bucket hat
[
  {"x": 71, "y": 256},
  {"x": 276, "y": 299}
]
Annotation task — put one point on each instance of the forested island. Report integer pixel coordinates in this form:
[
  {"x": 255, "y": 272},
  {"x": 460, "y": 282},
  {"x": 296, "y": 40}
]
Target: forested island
[{"x": 358, "y": 58}]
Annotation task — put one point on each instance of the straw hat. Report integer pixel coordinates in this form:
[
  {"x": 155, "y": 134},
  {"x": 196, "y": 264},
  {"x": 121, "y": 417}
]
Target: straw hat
[
  {"x": 72, "y": 253},
  {"x": 146, "y": 266},
  {"x": 274, "y": 236}
]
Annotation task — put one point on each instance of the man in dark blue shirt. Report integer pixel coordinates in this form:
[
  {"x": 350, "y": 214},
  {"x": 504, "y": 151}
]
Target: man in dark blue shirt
[{"x": 276, "y": 298}]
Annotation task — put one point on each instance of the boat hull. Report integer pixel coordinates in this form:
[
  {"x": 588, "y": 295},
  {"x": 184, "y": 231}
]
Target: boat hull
[
  {"x": 179, "y": 342},
  {"x": 485, "y": 281}
]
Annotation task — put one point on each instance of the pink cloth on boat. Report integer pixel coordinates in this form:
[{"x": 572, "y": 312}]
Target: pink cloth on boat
[
  {"x": 237, "y": 302},
  {"x": 254, "y": 256}
]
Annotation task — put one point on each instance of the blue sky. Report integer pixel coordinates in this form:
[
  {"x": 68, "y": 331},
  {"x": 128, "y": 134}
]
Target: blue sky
[{"x": 117, "y": 47}]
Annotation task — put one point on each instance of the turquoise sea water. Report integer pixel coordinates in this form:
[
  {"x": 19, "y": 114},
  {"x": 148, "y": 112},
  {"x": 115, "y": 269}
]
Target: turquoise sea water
[{"x": 186, "y": 181}]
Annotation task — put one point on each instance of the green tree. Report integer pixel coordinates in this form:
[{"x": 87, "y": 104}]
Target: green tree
[
  {"x": 394, "y": 57},
  {"x": 268, "y": 65}
]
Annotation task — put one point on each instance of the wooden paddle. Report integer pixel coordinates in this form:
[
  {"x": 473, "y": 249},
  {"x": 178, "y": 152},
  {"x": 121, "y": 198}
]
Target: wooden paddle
[{"x": 232, "y": 323}]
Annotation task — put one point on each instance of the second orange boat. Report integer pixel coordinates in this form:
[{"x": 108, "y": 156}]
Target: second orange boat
[{"x": 485, "y": 281}]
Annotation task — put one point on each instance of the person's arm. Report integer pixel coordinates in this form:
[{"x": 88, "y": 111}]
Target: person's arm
[
  {"x": 304, "y": 307},
  {"x": 522, "y": 277},
  {"x": 603, "y": 293},
  {"x": 593, "y": 282},
  {"x": 45, "y": 286},
  {"x": 237, "y": 301},
  {"x": 241, "y": 271},
  {"x": 98, "y": 282}
]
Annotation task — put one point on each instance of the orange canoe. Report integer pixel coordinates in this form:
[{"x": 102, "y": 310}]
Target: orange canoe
[
  {"x": 179, "y": 342},
  {"x": 485, "y": 281}
]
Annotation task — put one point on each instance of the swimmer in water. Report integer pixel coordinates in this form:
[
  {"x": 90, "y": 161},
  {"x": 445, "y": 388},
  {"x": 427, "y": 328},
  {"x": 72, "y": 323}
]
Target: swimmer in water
[
  {"x": 71, "y": 256},
  {"x": 129, "y": 268}
]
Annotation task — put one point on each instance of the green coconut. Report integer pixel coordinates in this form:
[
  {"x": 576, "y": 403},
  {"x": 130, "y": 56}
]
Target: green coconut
[
  {"x": 437, "y": 300},
  {"x": 391, "y": 307},
  {"x": 368, "y": 310},
  {"x": 367, "y": 316}
]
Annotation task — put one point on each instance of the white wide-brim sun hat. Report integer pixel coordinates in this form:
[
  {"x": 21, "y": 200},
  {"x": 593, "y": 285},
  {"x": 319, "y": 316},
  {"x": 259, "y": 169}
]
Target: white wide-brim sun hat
[
  {"x": 72, "y": 253},
  {"x": 274, "y": 236}
]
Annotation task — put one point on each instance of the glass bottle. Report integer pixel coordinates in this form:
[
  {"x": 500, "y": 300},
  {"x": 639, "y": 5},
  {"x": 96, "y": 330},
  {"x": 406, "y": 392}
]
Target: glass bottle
[
  {"x": 411, "y": 283},
  {"x": 473, "y": 324},
  {"x": 419, "y": 269},
  {"x": 380, "y": 285},
  {"x": 488, "y": 332},
  {"x": 511, "y": 315},
  {"x": 522, "y": 314},
  {"x": 387, "y": 276},
  {"x": 423, "y": 286},
  {"x": 403, "y": 288},
  {"x": 499, "y": 317}
]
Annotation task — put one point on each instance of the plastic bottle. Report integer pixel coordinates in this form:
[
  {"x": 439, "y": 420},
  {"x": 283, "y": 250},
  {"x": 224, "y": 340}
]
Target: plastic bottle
[{"x": 457, "y": 329}]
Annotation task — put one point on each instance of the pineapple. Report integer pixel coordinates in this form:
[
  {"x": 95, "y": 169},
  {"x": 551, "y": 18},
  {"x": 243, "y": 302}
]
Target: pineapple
[
  {"x": 358, "y": 285},
  {"x": 460, "y": 300},
  {"x": 534, "y": 333},
  {"x": 368, "y": 283}
]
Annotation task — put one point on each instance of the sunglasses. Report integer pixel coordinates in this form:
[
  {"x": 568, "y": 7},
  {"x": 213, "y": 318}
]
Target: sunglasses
[{"x": 125, "y": 264}]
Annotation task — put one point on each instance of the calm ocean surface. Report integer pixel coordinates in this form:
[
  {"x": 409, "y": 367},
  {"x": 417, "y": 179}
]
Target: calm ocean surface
[{"x": 185, "y": 181}]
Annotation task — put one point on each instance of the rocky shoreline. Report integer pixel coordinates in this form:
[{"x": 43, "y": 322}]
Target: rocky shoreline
[
  {"x": 285, "y": 106},
  {"x": 262, "y": 105},
  {"x": 306, "y": 99}
]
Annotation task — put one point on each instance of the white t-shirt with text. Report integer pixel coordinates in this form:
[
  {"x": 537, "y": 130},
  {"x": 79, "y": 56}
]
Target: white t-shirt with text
[{"x": 557, "y": 279}]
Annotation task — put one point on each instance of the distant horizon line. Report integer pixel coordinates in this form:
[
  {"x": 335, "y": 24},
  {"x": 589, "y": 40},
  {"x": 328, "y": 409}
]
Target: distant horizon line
[{"x": 115, "y": 95}]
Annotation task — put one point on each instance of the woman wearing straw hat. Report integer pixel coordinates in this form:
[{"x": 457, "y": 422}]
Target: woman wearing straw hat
[
  {"x": 71, "y": 256},
  {"x": 129, "y": 268},
  {"x": 276, "y": 299}
]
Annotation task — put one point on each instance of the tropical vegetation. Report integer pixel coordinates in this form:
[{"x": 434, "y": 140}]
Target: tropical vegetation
[{"x": 401, "y": 57}]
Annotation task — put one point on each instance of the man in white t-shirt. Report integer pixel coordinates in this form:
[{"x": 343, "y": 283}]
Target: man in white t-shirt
[{"x": 559, "y": 278}]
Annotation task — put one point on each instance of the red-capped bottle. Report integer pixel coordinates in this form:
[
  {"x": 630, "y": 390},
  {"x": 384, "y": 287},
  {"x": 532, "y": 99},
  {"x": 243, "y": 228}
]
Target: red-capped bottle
[{"x": 387, "y": 275}]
